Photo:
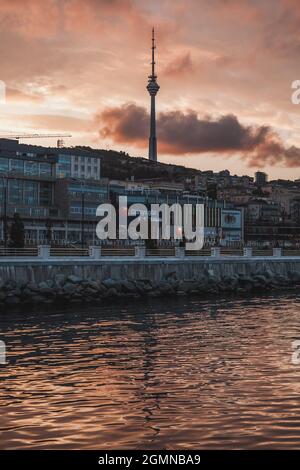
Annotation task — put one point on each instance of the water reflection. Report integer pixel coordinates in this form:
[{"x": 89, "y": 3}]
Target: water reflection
[{"x": 172, "y": 374}]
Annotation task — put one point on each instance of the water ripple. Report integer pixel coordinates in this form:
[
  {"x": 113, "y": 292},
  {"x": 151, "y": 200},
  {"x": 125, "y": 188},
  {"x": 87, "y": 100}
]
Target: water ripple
[{"x": 172, "y": 375}]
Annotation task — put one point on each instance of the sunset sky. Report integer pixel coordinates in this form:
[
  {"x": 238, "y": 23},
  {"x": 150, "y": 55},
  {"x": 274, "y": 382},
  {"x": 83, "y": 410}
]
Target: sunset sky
[{"x": 225, "y": 68}]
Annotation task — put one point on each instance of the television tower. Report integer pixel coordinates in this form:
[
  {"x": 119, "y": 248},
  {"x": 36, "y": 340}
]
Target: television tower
[{"x": 152, "y": 88}]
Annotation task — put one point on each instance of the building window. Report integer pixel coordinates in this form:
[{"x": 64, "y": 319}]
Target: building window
[
  {"x": 91, "y": 211},
  {"x": 45, "y": 169},
  {"x": 75, "y": 210},
  {"x": 4, "y": 165},
  {"x": 39, "y": 212},
  {"x": 64, "y": 166},
  {"x": 15, "y": 191},
  {"x": 31, "y": 168},
  {"x": 17, "y": 166},
  {"x": 45, "y": 193},
  {"x": 31, "y": 193}
]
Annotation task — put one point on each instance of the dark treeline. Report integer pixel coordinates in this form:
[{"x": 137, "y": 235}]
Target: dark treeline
[{"x": 119, "y": 165}]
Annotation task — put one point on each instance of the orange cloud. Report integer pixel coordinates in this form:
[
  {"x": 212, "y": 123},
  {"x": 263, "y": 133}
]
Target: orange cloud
[
  {"x": 35, "y": 18},
  {"x": 58, "y": 123},
  {"x": 30, "y": 17},
  {"x": 84, "y": 55},
  {"x": 13, "y": 94},
  {"x": 180, "y": 65}
]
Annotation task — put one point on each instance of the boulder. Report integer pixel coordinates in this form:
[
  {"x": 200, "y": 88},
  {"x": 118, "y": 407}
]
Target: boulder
[
  {"x": 33, "y": 287},
  {"x": 111, "y": 292},
  {"x": 171, "y": 276},
  {"x": 109, "y": 283},
  {"x": 188, "y": 285},
  {"x": 165, "y": 288},
  {"x": 10, "y": 285},
  {"x": 128, "y": 287},
  {"x": 59, "y": 280},
  {"x": 74, "y": 279},
  {"x": 90, "y": 292},
  {"x": 38, "y": 299},
  {"x": 69, "y": 288},
  {"x": 12, "y": 300}
]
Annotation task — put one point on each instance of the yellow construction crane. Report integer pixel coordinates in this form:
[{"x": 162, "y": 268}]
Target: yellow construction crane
[{"x": 23, "y": 135}]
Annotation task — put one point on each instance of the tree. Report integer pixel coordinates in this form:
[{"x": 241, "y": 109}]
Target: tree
[{"x": 17, "y": 234}]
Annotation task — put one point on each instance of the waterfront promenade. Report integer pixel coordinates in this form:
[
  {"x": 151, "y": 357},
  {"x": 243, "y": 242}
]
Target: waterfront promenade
[{"x": 56, "y": 275}]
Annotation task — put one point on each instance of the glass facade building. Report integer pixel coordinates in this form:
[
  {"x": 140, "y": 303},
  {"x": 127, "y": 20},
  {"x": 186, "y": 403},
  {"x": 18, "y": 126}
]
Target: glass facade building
[
  {"x": 63, "y": 166},
  {"x": 53, "y": 186},
  {"x": 28, "y": 177},
  {"x": 26, "y": 168}
]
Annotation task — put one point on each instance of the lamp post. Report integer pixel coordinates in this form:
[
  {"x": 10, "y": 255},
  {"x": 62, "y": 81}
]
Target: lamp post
[
  {"x": 4, "y": 217},
  {"x": 82, "y": 215},
  {"x": 4, "y": 212},
  {"x": 82, "y": 184}
]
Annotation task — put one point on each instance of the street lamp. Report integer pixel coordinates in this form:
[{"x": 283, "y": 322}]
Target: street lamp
[
  {"x": 82, "y": 184},
  {"x": 82, "y": 215},
  {"x": 4, "y": 184}
]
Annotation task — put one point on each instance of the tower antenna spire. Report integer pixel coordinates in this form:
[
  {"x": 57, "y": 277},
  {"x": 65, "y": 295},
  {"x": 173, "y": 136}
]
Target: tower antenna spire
[
  {"x": 153, "y": 88},
  {"x": 153, "y": 49}
]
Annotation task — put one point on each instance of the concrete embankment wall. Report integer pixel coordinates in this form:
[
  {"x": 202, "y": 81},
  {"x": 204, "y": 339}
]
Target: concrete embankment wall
[{"x": 136, "y": 269}]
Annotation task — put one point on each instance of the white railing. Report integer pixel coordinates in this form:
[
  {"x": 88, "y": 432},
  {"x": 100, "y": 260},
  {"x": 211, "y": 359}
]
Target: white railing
[{"x": 46, "y": 252}]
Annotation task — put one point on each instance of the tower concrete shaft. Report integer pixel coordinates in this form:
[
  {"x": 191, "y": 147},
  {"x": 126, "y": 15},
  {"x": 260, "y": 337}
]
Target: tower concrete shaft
[{"x": 152, "y": 88}]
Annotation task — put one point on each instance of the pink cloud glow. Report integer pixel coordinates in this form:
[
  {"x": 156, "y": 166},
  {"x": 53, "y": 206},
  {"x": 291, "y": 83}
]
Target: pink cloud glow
[{"x": 82, "y": 60}]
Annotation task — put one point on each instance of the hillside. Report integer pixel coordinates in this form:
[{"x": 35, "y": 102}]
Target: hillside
[{"x": 119, "y": 165}]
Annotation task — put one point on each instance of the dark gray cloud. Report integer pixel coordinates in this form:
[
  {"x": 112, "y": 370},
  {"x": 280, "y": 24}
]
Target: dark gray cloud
[{"x": 185, "y": 133}]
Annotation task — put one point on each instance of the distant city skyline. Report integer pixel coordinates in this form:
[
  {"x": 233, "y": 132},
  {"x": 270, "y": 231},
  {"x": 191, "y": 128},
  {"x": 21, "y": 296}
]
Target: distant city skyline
[{"x": 225, "y": 101}]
